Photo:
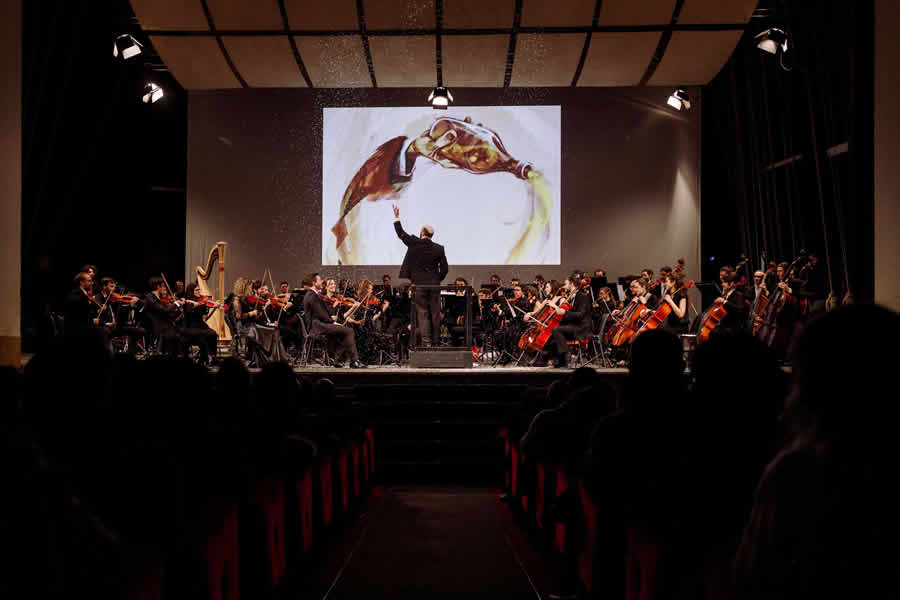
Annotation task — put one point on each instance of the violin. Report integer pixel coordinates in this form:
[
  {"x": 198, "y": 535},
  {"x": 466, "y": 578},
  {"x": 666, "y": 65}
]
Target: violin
[
  {"x": 114, "y": 297},
  {"x": 207, "y": 302}
]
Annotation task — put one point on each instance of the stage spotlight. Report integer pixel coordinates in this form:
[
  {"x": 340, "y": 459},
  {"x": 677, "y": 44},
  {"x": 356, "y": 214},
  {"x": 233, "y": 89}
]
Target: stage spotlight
[
  {"x": 153, "y": 93},
  {"x": 127, "y": 46},
  {"x": 771, "y": 40},
  {"x": 440, "y": 98},
  {"x": 679, "y": 99}
]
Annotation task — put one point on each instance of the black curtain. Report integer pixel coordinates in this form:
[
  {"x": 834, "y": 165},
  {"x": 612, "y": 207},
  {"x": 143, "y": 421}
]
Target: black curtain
[
  {"x": 103, "y": 173},
  {"x": 787, "y": 146}
]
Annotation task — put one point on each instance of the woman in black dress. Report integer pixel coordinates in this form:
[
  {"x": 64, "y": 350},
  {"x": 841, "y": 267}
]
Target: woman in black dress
[{"x": 676, "y": 297}]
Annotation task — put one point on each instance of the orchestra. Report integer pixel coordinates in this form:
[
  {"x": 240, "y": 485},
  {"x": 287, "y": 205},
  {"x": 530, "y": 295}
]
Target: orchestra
[{"x": 526, "y": 324}]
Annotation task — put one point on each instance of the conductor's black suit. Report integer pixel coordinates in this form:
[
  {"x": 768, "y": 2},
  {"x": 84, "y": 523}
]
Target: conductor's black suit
[{"x": 424, "y": 264}]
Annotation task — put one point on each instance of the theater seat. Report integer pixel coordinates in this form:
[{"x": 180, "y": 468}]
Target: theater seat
[
  {"x": 223, "y": 560},
  {"x": 642, "y": 565}
]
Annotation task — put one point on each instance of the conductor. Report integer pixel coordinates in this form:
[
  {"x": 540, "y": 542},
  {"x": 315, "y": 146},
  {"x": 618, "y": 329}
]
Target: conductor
[{"x": 424, "y": 264}]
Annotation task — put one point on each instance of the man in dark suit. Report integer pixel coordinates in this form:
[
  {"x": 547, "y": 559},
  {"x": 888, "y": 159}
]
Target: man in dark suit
[
  {"x": 424, "y": 264},
  {"x": 163, "y": 316},
  {"x": 576, "y": 322},
  {"x": 80, "y": 311},
  {"x": 320, "y": 321}
]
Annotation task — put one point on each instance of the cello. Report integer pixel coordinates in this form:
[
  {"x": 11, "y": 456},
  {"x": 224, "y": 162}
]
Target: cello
[
  {"x": 536, "y": 336},
  {"x": 659, "y": 316}
]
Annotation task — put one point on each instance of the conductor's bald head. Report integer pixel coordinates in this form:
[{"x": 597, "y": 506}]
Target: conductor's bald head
[{"x": 427, "y": 232}]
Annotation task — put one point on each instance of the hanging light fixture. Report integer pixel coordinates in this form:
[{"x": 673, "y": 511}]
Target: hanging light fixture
[
  {"x": 772, "y": 39},
  {"x": 152, "y": 93},
  {"x": 126, "y": 47},
  {"x": 679, "y": 99},
  {"x": 440, "y": 98}
]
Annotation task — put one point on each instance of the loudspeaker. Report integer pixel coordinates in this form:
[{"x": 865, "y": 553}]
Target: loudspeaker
[{"x": 441, "y": 358}]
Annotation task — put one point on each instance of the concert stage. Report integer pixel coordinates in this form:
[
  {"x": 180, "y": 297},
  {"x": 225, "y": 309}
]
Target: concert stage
[{"x": 441, "y": 425}]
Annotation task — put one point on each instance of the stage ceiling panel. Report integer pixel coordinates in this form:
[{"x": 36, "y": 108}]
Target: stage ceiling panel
[
  {"x": 337, "y": 41},
  {"x": 399, "y": 14},
  {"x": 322, "y": 16},
  {"x": 558, "y": 13},
  {"x": 403, "y": 61},
  {"x": 264, "y": 61},
  {"x": 683, "y": 64},
  {"x": 546, "y": 60},
  {"x": 716, "y": 11},
  {"x": 170, "y": 14},
  {"x": 246, "y": 16},
  {"x": 630, "y": 12},
  {"x": 474, "y": 60},
  {"x": 478, "y": 14},
  {"x": 196, "y": 61},
  {"x": 334, "y": 61},
  {"x": 618, "y": 59}
]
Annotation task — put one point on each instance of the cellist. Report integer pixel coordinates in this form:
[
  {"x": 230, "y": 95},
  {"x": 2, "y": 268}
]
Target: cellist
[
  {"x": 576, "y": 322},
  {"x": 676, "y": 297},
  {"x": 736, "y": 306}
]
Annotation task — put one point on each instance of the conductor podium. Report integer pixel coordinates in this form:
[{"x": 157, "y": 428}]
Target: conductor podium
[
  {"x": 443, "y": 357},
  {"x": 440, "y": 358}
]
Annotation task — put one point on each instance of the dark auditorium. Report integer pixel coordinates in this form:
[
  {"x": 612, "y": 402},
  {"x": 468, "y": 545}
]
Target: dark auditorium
[{"x": 449, "y": 299}]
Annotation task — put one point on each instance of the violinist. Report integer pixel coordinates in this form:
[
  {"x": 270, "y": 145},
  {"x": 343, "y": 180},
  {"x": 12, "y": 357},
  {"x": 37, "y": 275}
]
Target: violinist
[
  {"x": 288, "y": 318},
  {"x": 163, "y": 315},
  {"x": 92, "y": 271},
  {"x": 576, "y": 322},
  {"x": 179, "y": 292},
  {"x": 114, "y": 314},
  {"x": 360, "y": 317},
  {"x": 321, "y": 321},
  {"x": 676, "y": 297},
  {"x": 80, "y": 309},
  {"x": 196, "y": 331},
  {"x": 539, "y": 285},
  {"x": 736, "y": 306}
]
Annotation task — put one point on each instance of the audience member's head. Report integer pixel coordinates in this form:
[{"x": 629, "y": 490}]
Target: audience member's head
[
  {"x": 843, "y": 373},
  {"x": 657, "y": 356}
]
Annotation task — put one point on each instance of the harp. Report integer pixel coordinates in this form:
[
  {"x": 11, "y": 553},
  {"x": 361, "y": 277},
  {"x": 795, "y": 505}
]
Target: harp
[{"x": 217, "y": 320}]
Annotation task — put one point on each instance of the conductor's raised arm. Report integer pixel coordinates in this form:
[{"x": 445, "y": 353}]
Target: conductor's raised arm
[{"x": 404, "y": 237}]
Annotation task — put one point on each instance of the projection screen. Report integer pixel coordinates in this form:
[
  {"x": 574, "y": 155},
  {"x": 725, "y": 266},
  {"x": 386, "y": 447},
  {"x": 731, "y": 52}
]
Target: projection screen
[{"x": 487, "y": 178}]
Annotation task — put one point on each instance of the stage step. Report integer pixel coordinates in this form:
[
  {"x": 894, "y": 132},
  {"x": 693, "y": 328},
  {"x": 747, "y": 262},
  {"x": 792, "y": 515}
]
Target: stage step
[{"x": 440, "y": 432}]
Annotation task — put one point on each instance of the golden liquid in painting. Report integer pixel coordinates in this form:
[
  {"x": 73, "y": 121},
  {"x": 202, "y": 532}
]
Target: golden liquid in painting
[{"x": 539, "y": 220}]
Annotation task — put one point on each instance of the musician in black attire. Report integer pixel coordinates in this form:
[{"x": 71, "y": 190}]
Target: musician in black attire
[
  {"x": 736, "y": 306},
  {"x": 674, "y": 296},
  {"x": 576, "y": 322},
  {"x": 162, "y": 316},
  {"x": 114, "y": 315},
  {"x": 424, "y": 264},
  {"x": 195, "y": 330},
  {"x": 319, "y": 320},
  {"x": 80, "y": 310},
  {"x": 455, "y": 313},
  {"x": 397, "y": 318}
]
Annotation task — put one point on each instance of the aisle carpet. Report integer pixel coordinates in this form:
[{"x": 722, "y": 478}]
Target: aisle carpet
[{"x": 431, "y": 542}]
